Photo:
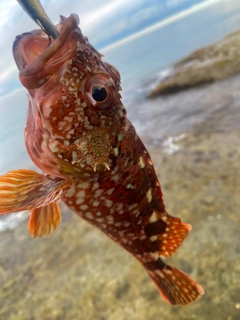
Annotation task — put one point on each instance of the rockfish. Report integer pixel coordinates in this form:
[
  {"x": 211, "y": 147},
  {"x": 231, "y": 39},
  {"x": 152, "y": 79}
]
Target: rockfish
[{"x": 92, "y": 159}]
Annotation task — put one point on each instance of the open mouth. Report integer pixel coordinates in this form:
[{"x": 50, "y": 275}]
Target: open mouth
[{"x": 38, "y": 56}]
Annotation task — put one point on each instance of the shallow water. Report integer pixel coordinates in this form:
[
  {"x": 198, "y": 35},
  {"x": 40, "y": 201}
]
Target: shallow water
[{"x": 79, "y": 273}]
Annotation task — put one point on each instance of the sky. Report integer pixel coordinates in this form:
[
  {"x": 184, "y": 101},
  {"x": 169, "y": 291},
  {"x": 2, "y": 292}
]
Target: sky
[{"x": 103, "y": 22}]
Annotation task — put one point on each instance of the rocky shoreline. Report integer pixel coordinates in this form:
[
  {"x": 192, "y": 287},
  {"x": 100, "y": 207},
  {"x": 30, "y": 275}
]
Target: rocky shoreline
[{"x": 215, "y": 62}]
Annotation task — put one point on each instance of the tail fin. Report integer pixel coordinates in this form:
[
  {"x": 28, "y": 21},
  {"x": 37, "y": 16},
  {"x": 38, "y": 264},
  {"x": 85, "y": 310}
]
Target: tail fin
[
  {"x": 176, "y": 287},
  {"x": 165, "y": 234},
  {"x": 26, "y": 189}
]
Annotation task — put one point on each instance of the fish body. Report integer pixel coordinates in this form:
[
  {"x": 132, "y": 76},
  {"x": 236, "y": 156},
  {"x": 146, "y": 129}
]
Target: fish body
[{"x": 78, "y": 134}]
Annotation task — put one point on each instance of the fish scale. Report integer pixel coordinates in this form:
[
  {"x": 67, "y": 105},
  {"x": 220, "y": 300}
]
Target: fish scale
[{"x": 91, "y": 157}]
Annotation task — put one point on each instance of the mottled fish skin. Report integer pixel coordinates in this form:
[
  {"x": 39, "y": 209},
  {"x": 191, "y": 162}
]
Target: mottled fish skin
[{"x": 82, "y": 140}]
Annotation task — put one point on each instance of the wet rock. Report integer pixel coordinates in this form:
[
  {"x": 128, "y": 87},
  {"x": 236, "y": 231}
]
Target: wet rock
[{"x": 214, "y": 62}]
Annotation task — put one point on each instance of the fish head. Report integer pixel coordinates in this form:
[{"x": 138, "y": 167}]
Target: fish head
[{"x": 75, "y": 114}]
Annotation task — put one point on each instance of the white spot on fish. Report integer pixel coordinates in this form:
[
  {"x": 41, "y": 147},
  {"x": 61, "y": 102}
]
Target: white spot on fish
[
  {"x": 53, "y": 148},
  {"x": 98, "y": 193},
  {"x": 110, "y": 191},
  {"x": 74, "y": 155},
  {"x": 130, "y": 186},
  {"x": 83, "y": 207},
  {"x": 83, "y": 185},
  {"x": 127, "y": 224},
  {"x": 149, "y": 195},
  {"x": 118, "y": 224},
  {"x": 66, "y": 142},
  {"x": 110, "y": 219},
  {"x": 116, "y": 151},
  {"x": 141, "y": 163},
  {"x": 153, "y": 238},
  {"x": 70, "y": 192},
  {"x": 95, "y": 186},
  {"x": 116, "y": 178},
  {"x": 80, "y": 197},
  {"x": 120, "y": 137},
  {"x": 132, "y": 206},
  {"x": 108, "y": 203},
  {"x": 153, "y": 217},
  {"x": 41, "y": 81},
  {"x": 77, "y": 141},
  {"x": 96, "y": 203},
  {"x": 89, "y": 215}
]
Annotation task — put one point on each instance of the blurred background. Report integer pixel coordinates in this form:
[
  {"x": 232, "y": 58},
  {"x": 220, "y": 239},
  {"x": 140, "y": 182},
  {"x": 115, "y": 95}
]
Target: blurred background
[{"x": 179, "y": 63}]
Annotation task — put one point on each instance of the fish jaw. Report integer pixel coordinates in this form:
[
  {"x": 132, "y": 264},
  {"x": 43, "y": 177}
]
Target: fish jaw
[
  {"x": 69, "y": 131},
  {"x": 34, "y": 54}
]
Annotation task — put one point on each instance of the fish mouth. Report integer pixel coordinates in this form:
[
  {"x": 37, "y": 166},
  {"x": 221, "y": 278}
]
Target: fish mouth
[{"x": 39, "y": 56}]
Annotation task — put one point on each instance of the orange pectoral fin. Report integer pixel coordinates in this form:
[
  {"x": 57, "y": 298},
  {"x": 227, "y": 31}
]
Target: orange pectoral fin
[
  {"x": 44, "y": 220},
  {"x": 26, "y": 189}
]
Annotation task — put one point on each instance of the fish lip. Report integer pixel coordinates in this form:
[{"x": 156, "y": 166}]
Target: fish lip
[
  {"x": 18, "y": 57},
  {"x": 68, "y": 25}
]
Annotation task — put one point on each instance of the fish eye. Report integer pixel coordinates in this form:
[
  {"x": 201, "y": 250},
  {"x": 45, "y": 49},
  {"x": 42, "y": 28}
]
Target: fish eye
[{"x": 99, "y": 93}]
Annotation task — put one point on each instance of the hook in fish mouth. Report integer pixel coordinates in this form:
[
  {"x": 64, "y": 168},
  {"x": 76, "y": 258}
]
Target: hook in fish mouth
[{"x": 35, "y": 10}]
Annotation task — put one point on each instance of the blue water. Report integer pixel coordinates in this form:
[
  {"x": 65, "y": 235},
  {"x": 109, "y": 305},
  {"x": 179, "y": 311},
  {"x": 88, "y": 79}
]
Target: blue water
[{"x": 140, "y": 61}]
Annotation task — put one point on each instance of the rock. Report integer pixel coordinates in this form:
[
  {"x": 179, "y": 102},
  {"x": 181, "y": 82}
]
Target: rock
[{"x": 214, "y": 62}]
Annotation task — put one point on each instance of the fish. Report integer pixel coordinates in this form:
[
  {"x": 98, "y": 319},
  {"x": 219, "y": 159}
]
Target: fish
[{"x": 77, "y": 133}]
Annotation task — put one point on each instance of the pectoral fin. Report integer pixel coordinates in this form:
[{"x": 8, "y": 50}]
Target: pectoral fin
[
  {"x": 44, "y": 220},
  {"x": 26, "y": 189}
]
